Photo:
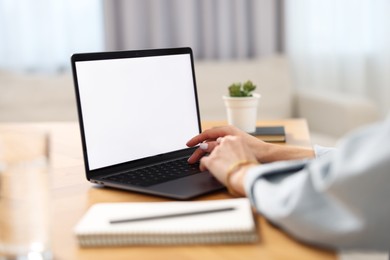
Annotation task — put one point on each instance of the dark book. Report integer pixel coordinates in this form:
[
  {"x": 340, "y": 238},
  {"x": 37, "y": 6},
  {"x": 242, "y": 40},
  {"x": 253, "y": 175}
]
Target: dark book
[{"x": 270, "y": 133}]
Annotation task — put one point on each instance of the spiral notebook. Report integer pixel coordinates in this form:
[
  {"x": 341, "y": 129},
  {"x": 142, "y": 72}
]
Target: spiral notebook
[{"x": 219, "y": 222}]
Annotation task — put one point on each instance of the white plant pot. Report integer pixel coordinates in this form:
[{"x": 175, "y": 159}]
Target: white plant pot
[{"x": 242, "y": 111}]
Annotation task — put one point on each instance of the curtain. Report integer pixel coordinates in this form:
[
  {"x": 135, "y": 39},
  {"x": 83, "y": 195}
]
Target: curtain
[
  {"x": 341, "y": 46},
  {"x": 215, "y": 29},
  {"x": 41, "y": 35}
]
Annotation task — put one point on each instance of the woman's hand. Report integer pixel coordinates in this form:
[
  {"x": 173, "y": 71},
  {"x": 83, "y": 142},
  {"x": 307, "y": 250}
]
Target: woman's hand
[
  {"x": 229, "y": 161},
  {"x": 208, "y": 141},
  {"x": 264, "y": 152}
]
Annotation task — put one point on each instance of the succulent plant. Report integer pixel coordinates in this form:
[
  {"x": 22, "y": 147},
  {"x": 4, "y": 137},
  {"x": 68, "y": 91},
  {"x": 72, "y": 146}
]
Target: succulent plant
[{"x": 242, "y": 90}]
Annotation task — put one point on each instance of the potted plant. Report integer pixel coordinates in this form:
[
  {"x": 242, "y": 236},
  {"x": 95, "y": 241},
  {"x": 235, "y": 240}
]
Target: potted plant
[{"x": 241, "y": 106}]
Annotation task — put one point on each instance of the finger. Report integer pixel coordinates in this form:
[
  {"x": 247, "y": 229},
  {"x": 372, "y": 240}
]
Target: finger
[
  {"x": 203, "y": 149},
  {"x": 204, "y": 146},
  {"x": 203, "y": 163},
  {"x": 210, "y": 134},
  {"x": 196, "y": 155},
  {"x": 208, "y": 146},
  {"x": 202, "y": 168}
]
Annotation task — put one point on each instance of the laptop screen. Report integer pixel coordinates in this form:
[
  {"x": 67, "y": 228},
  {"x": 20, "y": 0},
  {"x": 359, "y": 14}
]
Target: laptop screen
[{"x": 137, "y": 107}]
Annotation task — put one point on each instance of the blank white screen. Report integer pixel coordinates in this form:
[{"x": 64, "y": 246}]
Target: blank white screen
[{"x": 136, "y": 107}]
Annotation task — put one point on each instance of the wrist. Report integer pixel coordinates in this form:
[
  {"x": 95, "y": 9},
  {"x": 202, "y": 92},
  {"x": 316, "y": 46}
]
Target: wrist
[
  {"x": 235, "y": 181},
  {"x": 262, "y": 151}
]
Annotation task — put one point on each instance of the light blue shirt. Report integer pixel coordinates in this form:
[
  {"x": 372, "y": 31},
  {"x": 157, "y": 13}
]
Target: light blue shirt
[{"x": 341, "y": 199}]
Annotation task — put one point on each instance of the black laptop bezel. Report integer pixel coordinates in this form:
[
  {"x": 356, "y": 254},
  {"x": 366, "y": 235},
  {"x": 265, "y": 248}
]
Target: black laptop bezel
[{"x": 80, "y": 57}]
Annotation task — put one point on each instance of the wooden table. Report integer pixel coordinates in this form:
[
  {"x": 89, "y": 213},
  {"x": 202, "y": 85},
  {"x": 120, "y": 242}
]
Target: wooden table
[{"x": 72, "y": 195}]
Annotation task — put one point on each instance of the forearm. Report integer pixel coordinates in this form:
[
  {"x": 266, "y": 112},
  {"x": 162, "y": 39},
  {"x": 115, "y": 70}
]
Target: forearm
[
  {"x": 267, "y": 153},
  {"x": 272, "y": 153},
  {"x": 275, "y": 152}
]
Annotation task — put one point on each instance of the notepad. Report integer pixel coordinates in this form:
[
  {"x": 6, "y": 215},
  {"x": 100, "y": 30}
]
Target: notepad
[{"x": 216, "y": 227}]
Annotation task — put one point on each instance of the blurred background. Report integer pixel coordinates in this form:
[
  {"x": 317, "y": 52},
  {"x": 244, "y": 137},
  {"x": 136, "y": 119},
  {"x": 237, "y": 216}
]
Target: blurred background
[{"x": 324, "y": 60}]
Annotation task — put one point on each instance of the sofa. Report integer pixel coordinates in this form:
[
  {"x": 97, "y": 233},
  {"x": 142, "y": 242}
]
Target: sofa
[
  {"x": 34, "y": 97},
  {"x": 329, "y": 115}
]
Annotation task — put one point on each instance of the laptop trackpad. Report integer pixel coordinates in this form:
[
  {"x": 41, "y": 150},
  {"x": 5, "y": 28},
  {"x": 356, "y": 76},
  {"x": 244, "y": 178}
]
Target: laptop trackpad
[{"x": 190, "y": 186}]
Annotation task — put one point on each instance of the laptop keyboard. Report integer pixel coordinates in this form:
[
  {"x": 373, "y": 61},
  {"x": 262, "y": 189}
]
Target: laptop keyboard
[{"x": 156, "y": 174}]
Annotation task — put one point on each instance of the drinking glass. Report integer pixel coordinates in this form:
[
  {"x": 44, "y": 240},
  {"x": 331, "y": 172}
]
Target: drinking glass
[{"x": 24, "y": 195}]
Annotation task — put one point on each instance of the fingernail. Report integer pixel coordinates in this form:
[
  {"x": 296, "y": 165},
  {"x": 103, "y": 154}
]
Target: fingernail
[
  {"x": 219, "y": 139},
  {"x": 204, "y": 146}
]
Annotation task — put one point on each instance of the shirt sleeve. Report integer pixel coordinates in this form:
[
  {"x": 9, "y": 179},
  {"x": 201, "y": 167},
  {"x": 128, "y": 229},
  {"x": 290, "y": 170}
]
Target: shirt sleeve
[
  {"x": 337, "y": 200},
  {"x": 321, "y": 151}
]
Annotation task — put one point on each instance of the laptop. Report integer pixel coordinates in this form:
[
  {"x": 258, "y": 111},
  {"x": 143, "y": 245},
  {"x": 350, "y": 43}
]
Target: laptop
[{"x": 137, "y": 109}]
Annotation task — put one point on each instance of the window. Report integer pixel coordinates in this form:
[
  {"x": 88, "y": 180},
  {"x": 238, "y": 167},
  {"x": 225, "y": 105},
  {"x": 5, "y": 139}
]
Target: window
[{"x": 41, "y": 35}]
